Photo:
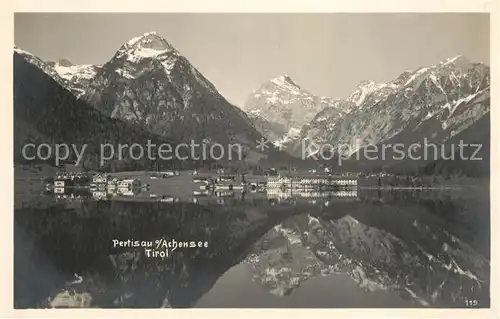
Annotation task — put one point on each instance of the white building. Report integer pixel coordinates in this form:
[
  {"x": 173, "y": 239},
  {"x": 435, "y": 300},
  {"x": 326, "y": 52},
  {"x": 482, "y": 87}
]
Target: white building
[
  {"x": 200, "y": 180},
  {"x": 99, "y": 178},
  {"x": 59, "y": 184},
  {"x": 167, "y": 199},
  {"x": 275, "y": 182},
  {"x": 129, "y": 184},
  {"x": 346, "y": 194},
  {"x": 277, "y": 193},
  {"x": 197, "y": 193},
  {"x": 168, "y": 173},
  {"x": 306, "y": 183},
  {"x": 126, "y": 192},
  {"x": 347, "y": 182},
  {"x": 99, "y": 195}
]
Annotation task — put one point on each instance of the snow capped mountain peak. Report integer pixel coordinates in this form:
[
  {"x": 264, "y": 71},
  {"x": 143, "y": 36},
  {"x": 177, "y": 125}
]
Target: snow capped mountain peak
[
  {"x": 452, "y": 91},
  {"x": 459, "y": 61},
  {"x": 148, "y": 82},
  {"x": 71, "y": 76},
  {"x": 408, "y": 79},
  {"x": 452, "y": 68},
  {"x": 148, "y": 48},
  {"x": 284, "y": 80},
  {"x": 280, "y": 108},
  {"x": 148, "y": 45},
  {"x": 147, "y": 34},
  {"x": 47, "y": 68},
  {"x": 77, "y": 76},
  {"x": 455, "y": 58},
  {"x": 282, "y": 84}
]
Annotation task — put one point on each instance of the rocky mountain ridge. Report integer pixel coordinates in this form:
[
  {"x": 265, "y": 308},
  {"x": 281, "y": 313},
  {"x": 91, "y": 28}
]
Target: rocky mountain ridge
[
  {"x": 436, "y": 102},
  {"x": 73, "y": 77},
  {"x": 46, "y": 112},
  {"x": 148, "y": 83},
  {"x": 280, "y": 108}
]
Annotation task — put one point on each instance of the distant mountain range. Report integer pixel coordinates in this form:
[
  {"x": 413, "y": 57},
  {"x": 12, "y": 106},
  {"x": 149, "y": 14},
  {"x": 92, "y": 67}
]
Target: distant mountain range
[
  {"x": 436, "y": 102},
  {"x": 149, "y": 84}
]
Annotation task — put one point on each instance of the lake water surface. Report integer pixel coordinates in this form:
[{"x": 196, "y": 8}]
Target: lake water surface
[{"x": 379, "y": 249}]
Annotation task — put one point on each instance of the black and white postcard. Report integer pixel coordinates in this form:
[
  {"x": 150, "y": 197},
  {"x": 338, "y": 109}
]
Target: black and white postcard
[{"x": 333, "y": 160}]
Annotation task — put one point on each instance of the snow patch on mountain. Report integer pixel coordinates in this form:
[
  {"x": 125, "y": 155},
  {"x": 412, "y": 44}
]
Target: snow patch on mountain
[
  {"x": 460, "y": 61},
  {"x": 149, "y": 83},
  {"x": 86, "y": 71},
  {"x": 452, "y": 93},
  {"x": 284, "y": 104},
  {"x": 415, "y": 75},
  {"x": 292, "y": 134},
  {"x": 78, "y": 77},
  {"x": 72, "y": 77}
]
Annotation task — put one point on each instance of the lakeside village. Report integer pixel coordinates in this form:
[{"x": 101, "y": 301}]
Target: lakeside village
[{"x": 71, "y": 185}]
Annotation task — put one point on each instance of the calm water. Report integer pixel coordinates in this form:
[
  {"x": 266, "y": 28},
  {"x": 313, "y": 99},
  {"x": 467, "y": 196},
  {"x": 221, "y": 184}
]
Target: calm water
[{"x": 401, "y": 249}]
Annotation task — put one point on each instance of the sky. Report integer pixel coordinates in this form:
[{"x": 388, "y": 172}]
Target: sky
[{"x": 327, "y": 54}]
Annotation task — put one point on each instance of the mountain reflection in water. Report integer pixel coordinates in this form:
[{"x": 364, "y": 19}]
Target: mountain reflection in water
[{"x": 400, "y": 249}]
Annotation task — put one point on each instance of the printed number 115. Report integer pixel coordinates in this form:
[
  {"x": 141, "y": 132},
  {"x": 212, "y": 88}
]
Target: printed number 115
[{"x": 471, "y": 303}]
